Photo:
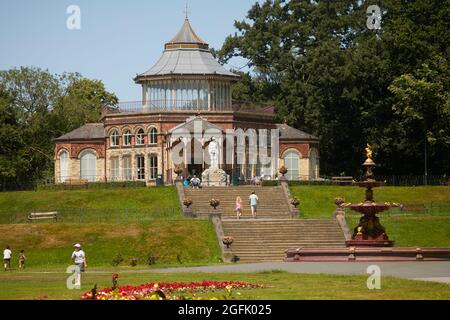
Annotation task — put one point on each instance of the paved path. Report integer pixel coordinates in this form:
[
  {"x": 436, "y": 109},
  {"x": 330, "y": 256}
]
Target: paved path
[{"x": 438, "y": 271}]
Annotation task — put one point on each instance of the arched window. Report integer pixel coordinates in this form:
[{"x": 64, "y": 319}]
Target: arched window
[
  {"x": 127, "y": 138},
  {"x": 140, "y": 137},
  {"x": 313, "y": 165},
  {"x": 153, "y": 136},
  {"x": 114, "y": 139},
  {"x": 88, "y": 166},
  {"x": 63, "y": 165},
  {"x": 292, "y": 161}
]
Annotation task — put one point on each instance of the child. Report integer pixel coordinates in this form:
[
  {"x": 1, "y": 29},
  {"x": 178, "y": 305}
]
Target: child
[
  {"x": 22, "y": 259},
  {"x": 238, "y": 207},
  {"x": 7, "y": 258}
]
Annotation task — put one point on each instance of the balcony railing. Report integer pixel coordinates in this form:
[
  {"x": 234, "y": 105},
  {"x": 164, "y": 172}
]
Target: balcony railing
[{"x": 186, "y": 105}]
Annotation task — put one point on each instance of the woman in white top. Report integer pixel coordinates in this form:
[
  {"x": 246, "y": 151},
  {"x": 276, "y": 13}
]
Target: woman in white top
[
  {"x": 7, "y": 258},
  {"x": 79, "y": 257}
]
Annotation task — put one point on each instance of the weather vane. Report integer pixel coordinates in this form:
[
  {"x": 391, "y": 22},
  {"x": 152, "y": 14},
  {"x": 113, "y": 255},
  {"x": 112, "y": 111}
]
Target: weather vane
[{"x": 186, "y": 11}]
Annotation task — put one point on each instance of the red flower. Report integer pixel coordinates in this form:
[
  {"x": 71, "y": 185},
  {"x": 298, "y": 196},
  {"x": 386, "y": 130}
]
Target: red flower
[
  {"x": 115, "y": 276},
  {"x": 146, "y": 290}
]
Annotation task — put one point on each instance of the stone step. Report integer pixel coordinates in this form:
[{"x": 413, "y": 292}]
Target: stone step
[{"x": 267, "y": 240}]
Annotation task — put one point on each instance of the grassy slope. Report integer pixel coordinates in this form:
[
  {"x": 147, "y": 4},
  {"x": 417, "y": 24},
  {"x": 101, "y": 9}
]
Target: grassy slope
[
  {"x": 416, "y": 230},
  {"x": 279, "y": 285},
  {"x": 50, "y": 245},
  {"x": 431, "y": 231},
  {"x": 144, "y": 198},
  {"x": 318, "y": 201}
]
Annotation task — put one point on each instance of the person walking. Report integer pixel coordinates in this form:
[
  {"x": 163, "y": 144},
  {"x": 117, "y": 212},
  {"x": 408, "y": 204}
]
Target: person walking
[
  {"x": 22, "y": 259},
  {"x": 79, "y": 258},
  {"x": 253, "y": 203},
  {"x": 7, "y": 258},
  {"x": 195, "y": 182},
  {"x": 238, "y": 207}
]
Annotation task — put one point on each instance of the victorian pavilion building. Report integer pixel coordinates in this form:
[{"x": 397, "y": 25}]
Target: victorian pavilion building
[{"x": 187, "y": 86}]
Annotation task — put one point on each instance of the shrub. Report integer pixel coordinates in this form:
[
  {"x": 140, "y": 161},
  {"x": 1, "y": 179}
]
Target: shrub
[
  {"x": 151, "y": 259},
  {"x": 118, "y": 259},
  {"x": 92, "y": 185},
  {"x": 133, "y": 262}
]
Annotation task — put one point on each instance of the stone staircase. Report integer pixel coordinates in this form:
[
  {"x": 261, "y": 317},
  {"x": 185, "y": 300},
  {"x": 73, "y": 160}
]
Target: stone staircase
[
  {"x": 267, "y": 239},
  {"x": 272, "y": 202}
]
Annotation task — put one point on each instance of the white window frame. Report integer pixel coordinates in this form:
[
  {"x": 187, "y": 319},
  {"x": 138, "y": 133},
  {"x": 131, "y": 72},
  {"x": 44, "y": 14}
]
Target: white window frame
[
  {"x": 127, "y": 138},
  {"x": 114, "y": 169},
  {"x": 140, "y": 167},
  {"x": 114, "y": 139},
  {"x": 153, "y": 136},
  {"x": 140, "y": 140},
  {"x": 127, "y": 168},
  {"x": 88, "y": 170},
  {"x": 63, "y": 165},
  {"x": 153, "y": 166},
  {"x": 293, "y": 171}
]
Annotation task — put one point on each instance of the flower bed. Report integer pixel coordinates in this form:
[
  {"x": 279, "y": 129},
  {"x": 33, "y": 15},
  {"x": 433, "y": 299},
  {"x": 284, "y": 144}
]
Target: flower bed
[{"x": 168, "y": 291}]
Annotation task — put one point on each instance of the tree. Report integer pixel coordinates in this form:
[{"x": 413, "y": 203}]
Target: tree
[
  {"x": 81, "y": 102},
  {"x": 422, "y": 108},
  {"x": 35, "y": 108},
  {"x": 330, "y": 74}
]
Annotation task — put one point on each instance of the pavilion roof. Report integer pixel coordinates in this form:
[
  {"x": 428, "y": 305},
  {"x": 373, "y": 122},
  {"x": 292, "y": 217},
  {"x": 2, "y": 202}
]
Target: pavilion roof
[
  {"x": 288, "y": 132},
  {"x": 87, "y": 132}
]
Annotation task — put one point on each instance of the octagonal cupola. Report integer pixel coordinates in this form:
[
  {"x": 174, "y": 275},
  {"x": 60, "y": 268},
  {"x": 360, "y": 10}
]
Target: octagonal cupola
[{"x": 186, "y": 77}]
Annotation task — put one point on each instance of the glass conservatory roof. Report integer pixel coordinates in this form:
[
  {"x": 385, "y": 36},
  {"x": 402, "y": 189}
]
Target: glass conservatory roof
[{"x": 187, "y": 54}]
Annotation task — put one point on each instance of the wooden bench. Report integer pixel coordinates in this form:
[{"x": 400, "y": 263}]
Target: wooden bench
[
  {"x": 43, "y": 215},
  {"x": 413, "y": 207},
  {"x": 341, "y": 180}
]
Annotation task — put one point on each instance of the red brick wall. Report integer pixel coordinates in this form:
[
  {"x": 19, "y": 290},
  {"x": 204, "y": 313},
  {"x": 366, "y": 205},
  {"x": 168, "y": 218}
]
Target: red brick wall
[{"x": 75, "y": 148}]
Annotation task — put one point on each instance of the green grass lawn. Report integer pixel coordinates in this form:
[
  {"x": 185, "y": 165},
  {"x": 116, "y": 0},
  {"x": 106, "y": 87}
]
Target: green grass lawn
[
  {"x": 411, "y": 231},
  {"x": 143, "y": 198},
  {"x": 278, "y": 285},
  {"x": 318, "y": 201},
  {"x": 170, "y": 242},
  {"x": 92, "y": 205},
  {"x": 430, "y": 229}
]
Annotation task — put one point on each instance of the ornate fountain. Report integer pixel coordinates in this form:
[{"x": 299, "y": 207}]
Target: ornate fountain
[
  {"x": 369, "y": 241},
  {"x": 369, "y": 232}
]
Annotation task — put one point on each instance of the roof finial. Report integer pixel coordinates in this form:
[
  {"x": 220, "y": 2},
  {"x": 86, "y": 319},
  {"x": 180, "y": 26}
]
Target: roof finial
[{"x": 186, "y": 12}]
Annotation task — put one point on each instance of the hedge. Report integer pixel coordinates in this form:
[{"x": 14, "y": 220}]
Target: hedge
[{"x": 92, "y": 185}]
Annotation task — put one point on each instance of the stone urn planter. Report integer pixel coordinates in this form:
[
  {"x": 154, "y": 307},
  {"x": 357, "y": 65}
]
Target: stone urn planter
[
  {"x": 178, "y": 170},
  {"x": 295, "y": 202},
  {"x": 283, "y": 170},
  {"x": 214, "y": 203},
  {"x": 187, "y": 202},
  {"x": 339, "y": 201},
  {"x": 227, "y": 240}
]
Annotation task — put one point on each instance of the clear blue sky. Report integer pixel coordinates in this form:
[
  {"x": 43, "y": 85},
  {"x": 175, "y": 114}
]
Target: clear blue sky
[{"x": 117, "y": 40}]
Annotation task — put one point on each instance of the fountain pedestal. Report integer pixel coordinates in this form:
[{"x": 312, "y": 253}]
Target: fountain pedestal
[
  {"x": 369, "y": 232},
  {"x": 369, "y": 241}
]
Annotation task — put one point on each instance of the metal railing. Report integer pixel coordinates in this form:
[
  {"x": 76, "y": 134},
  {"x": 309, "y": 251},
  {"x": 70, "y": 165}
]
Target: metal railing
[
  {"x": 431, "y": 209},
  {"x": 186, "y": 105},
  {"x": 88, "y": 215}
]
